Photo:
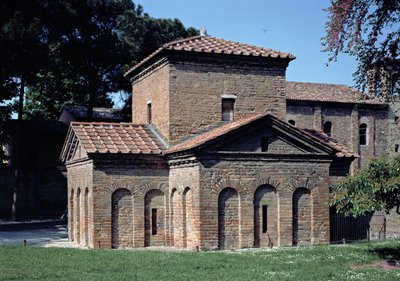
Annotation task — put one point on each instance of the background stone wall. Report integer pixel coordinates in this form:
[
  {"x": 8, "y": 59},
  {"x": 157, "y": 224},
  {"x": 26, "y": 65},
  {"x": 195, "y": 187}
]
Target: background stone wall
[{"x": 345, "y": 119}]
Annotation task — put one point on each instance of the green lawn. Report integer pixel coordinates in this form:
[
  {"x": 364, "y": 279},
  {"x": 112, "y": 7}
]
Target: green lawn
[{"x": 348, "y": 262}]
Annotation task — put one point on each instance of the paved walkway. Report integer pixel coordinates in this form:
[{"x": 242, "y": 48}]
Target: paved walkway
[{"x": 50, "y": 237}]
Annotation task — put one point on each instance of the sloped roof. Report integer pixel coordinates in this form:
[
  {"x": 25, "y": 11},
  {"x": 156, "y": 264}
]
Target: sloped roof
[
  {"x": 126, "y": 138},
  {"x": 196, "y": 141},
  {"x": 305, "y": 91},
  {"x": 122, "y": 138},
  {"x": 214, "y": 133},
  {"x": 209, "y": 44},
  {"x": 99, "y": 113},
  {"x": 343, "y": 151}
]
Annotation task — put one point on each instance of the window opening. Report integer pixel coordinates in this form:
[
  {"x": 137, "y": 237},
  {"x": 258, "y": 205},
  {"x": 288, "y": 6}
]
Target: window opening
[
  {"x": 328, "y": 128},
  {"x": 227, "y": 109},
  {"x": 264, "y": 144},
  {"x": 264, "y": 218},
  {"x": 149, "y": 113},
  {"x": 153, "y": 221},
  {"x": 363, "y": 134},
  {"x": 292, "y": 122},
  {"x": 396, "y": 148},
  {"x": 395, "y": 85}
]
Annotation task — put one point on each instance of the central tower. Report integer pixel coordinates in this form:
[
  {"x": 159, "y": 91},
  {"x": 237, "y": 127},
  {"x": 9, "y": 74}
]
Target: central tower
[{"x": 194, "y": 83}]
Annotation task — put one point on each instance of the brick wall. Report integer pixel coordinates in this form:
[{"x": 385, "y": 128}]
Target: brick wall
[
  {"x": 146, "y": 179},
  {"x": 197, "y": 89},
  {"x": 245, "y": 177},
  {"x": 80, "y": 203},
  {"x": 345, "y": 119},
  {"x": 186, "y": 95},
  {"x": 153, "y": 87},
  {"x": 185, "y": 205}
]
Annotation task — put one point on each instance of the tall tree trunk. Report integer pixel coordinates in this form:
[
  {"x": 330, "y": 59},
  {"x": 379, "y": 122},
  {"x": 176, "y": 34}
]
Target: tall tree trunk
[
  {"x": 89, "y": 110},
  {"x": 91, "y": 100},
  {"x": 17, "y": 150}
]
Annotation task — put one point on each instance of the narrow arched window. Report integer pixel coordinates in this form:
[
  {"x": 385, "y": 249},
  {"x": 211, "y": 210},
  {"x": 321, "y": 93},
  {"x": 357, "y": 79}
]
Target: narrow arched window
[
  {"x": 362, "y": 133},
  {"x": 328, "y": 128},
  {"x": 149, "y": 113},
  {"x": 395, "y": 85},
  {"x": 228, "y": 105},
  {"x": 291, "y": 121}
]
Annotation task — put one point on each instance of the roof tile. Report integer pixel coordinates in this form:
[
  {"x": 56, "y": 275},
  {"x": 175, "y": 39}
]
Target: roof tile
[
  {"x": 213, "y": 134},
  {"x": 342, "y": 150},
  {"x": 114, "y": 138},
  {"x": 209, "y": 44},
  {"x": 304, "y": 91}
]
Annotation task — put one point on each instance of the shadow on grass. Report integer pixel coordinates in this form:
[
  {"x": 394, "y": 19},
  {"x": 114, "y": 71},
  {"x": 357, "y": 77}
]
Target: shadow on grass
[{"x": 387, "y": 253}]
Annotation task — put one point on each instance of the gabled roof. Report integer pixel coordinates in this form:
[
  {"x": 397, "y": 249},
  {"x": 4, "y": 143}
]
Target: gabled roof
[
  {"x": 312, "y": 137},
  {"x": 305, "y": 91},
  {"x": 214, "y": 133},
  {"x": 100, "y": 114},
  {"x": 124, "y": 138},
  {"x": 209, "y": 44},
  {"x": 343, "y": 151}
]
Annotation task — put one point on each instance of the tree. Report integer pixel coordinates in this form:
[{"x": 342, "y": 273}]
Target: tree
[
  {"x": 23, "y": 55},
  {"x": 366, "y": 29},
  {"x": 374, "y": 188},
  {"x": 91, "y": 44}
]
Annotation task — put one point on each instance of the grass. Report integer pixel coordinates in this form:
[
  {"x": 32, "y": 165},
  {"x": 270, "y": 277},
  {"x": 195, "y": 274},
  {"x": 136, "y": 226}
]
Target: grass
[{"x": 345, "y": 262}]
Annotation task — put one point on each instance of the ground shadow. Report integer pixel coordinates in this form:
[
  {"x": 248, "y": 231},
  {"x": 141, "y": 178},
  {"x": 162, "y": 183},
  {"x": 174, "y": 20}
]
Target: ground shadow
[{"x": 386, "y": 253}]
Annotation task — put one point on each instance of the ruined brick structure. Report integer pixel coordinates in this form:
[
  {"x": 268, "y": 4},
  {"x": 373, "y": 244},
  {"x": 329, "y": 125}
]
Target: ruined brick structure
[{"x": 209, "y": 160}]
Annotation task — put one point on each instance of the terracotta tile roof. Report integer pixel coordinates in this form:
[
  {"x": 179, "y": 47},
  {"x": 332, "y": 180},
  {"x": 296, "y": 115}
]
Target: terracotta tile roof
[
  {"x": 209, "y": 44},
  {"x": 342, "y": 150},
  {"x": 213, "y": 134},
  {"x": 304, "y": 91},
  {"x": 116, "y": 138},
  {"x": 100, "y": 114}
]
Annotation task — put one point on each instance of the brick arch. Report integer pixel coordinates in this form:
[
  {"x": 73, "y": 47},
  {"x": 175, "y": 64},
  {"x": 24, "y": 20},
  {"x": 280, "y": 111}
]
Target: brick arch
[
  {"x": 228, "y": 218},
  {"x": 266, "y": 219},
  {"x": 231, "y": 183},
  {"x": 187, "y": 216},
  {"x": 122, "y": 185},
  {"x": 155, "y": 213},
  {"x": 173, "y": 214},
  {"x": 85, "y": 218},
  {"x": 77, "y": 216},
  {"x": 301, "y": 216},
  {"x": 268, "y": 180},
  {"x": 121, "y": 218},
  {"x": 71, "y": 219},
  {"x": 154, "y": 185},
  {"x": 293, "y": 184}
]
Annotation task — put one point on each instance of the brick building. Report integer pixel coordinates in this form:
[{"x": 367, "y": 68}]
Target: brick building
[{"x": 208, "y": 160}]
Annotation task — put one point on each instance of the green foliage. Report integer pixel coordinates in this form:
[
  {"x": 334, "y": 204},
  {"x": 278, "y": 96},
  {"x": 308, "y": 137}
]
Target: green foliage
[
  {"x": 374, "y": 188},
  {"x": 349, "y": 262},
  {"x": 74, "y": 51},
  {"x": 366, "y": 29}
]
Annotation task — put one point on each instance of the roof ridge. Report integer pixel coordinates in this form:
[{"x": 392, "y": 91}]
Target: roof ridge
[
  {"x": 105, "y": 123},
  {"x": 211, "y": 44},
  {"x": 319, "y": 83},
  {"x": 182, "y": 40},
  {"x": 225, "y": 129}
]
